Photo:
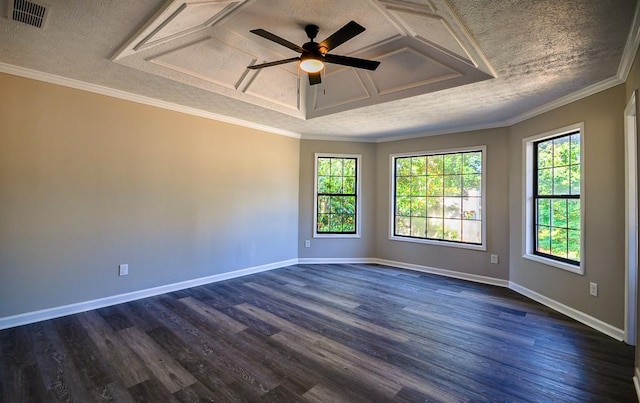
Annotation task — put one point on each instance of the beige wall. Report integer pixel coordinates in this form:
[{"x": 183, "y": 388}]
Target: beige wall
[
  {"x": 497, "y": 214},
  {"x": 603, "y": 172},
  {"x": 362, "y": 247},
  {"x": 88, "y": 182}
]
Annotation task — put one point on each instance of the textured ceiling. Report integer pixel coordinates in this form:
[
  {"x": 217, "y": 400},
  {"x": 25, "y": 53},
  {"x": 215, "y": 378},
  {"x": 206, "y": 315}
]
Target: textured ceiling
[{"x": 445, "y": 65}]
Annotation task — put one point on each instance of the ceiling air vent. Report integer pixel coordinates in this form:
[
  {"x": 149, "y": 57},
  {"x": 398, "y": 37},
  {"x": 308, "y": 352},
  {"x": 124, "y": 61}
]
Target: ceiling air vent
[{"x": 28, "y": 12}]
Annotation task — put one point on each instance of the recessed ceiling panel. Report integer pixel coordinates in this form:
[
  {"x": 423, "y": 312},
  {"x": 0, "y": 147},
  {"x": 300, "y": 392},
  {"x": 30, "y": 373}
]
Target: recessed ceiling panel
[
  {"x": 188, "y": 17},
  {"x": 277, "y": 86},
  {"x": 208, "y": 60},
  {"x": 434, "y": 30},
  {"x": 407, "y": 68},
  {"x": 340, "y": 87}
]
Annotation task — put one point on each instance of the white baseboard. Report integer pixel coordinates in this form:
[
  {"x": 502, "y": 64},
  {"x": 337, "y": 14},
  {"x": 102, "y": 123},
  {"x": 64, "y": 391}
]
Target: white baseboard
[
  {"x": 636, "y": 382},
  {"x": 51, "y": 313},
  {"x": 582, "y": 317},
  {"x": 447, "y": 273},
  {"x": 312, "y": 260}
]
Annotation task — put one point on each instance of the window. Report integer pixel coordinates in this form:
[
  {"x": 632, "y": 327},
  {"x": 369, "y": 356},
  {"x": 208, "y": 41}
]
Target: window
[
  {"x": 438, "y": 198},
  {"x": 336, "y": 202},
  {"x": 553, "y": 222}
]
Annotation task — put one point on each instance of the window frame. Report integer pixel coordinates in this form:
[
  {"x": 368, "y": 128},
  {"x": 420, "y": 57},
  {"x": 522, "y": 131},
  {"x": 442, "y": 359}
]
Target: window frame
[
  {"x": 357, "y": 234},
  {"x": 529, "y": 181},
  {"x": 483, "y": 203}
]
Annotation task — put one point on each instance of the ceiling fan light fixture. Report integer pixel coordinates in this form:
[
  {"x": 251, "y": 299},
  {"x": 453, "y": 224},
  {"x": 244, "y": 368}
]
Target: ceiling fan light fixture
[{"x": 311, "y": 64}]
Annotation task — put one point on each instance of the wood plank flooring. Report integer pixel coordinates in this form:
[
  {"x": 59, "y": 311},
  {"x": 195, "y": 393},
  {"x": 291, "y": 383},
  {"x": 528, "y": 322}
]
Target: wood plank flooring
[{"x": 318, "y": 333}]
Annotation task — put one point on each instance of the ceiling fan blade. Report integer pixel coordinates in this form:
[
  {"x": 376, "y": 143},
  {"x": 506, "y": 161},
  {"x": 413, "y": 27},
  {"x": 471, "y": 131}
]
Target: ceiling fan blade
[
  {"x": 275, "y": 38},
  {"x": 314, "y": 78},
  {"x": 277, "y": 62},
  {"x": 350, "y": 30},
  {"x": 352, "y": 62}
]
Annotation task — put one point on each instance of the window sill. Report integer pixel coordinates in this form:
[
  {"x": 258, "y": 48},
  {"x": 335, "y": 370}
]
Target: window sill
[
  {"x": 554, "y": 263},
  {"x": 439, "y": 243}
]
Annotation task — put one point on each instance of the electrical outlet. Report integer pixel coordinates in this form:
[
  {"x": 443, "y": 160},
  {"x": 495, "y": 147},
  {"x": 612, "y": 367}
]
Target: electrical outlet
[
  {"x": 307, "y": 243},
  {"x": 494, "y": 259},
  {"x": 123, "y": 270},
  {"x": 593, "y": 289}
]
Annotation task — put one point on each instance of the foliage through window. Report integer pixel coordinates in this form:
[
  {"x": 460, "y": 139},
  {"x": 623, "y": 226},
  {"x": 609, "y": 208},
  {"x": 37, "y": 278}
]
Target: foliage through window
[
  {"x": 556, "y": 198},
  {"x": 336, "y": 194},
  {"x": 439, "y": 197}
]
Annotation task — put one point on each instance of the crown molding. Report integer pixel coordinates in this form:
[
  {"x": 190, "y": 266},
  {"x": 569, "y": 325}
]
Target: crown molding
[
  {"x": 127, "y": 96},
  {"x": 631, "y": 47}
]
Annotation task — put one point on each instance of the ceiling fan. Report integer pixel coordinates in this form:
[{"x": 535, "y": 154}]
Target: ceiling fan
[{"x": 314, "y": 55}]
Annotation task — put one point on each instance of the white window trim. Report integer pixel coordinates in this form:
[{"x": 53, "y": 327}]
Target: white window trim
[
  {"x": 483, "y": 245},
  {"x": 527, "y": 197},
  {"x": 358, "y": 158}
]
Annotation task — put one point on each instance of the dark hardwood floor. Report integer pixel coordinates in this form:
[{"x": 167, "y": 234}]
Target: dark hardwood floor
[{"x": 325, "y": 333}]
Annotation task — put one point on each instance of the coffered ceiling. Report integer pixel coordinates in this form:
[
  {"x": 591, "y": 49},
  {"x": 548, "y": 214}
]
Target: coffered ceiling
[{"x": 445, "y": 65}]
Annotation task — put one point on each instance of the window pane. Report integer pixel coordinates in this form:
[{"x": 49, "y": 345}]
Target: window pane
[
  {"x": 472, "y": 185},
  {"x": 472, "y": 163},
  {"x": 335, "y": 222},
  {"x": 435, "y": 207},
  {"x": 435, "y": 165},
  {"x": 575, "y": 149},
  {"x": 545, "y": 154},
  {"x": 545, "y": 181},
  {"x": 349, "y": 185},
  {"x": 403, "y": 226},
  {"x": 452, "y": 164},
  {"x": 574, "y": 245},
  {"x": 336, "y": 167},
  {"x": 544, "y": 212},
  {"x": 403, "y": 186},
  {"x": 561, "y": 181},
  {"x": 472, "y": 208},
  {"x": 403, "y": 166},
  {"x": 323, "y": 204},
  {"x": 452, "y": 230},
  {"x": 335, "y": 205},
  {"x": 349, "y": 166},
  {"x": 349, "y": 205},
  {"x": 573, "y": 219},
  {"x": 559, "y": 242},
  {"x": 418, "y": 206},
  {"x": 452, "y": 207},
  {"x": 349, "y": 224},
  {"x": 418, "y": 185},
  {"x": 471, "y": 231},
  {"x": 575, "y": 179},
  {"x": 323, "y": 184},
  {"x": 418, "y": 227},
  {"x": 419, "y": 165},
  {"x": 335, "y": 184},
  {"x": 403, "y": 206},
  {"x": 561, "y": 151},
  {"x": 544, "y": 240},
  {"x": 453, "y": 185},
  {"x": 435, "y": 186},
  {"x": 435, "y": 228},
  {"x": 323, "y": 223},
  {"x": 324, "y": 166},
  {"x": 559, "y": 213}
]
